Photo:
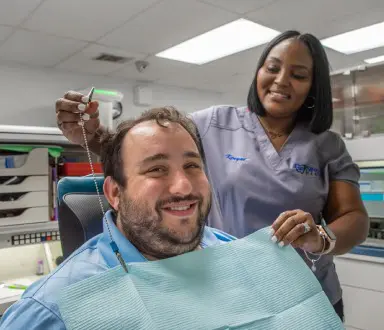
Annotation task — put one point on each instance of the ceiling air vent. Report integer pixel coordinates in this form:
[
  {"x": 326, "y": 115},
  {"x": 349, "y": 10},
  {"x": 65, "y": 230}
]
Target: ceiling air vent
[{"x": 112, "y": 58}]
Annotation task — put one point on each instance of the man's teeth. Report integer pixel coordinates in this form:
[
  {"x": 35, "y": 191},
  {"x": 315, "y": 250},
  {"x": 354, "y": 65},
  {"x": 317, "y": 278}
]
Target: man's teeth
[{"x": 180, "y": 208}]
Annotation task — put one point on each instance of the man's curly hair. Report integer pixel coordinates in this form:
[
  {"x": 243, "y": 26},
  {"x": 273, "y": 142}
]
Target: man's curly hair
[{"x": 111, "y": 143}]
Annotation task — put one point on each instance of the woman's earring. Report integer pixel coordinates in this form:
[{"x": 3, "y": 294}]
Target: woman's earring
[{"x": 311, "y": 106}]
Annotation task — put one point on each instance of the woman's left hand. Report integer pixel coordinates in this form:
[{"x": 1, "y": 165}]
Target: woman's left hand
[{"x": 298, "y": 229}]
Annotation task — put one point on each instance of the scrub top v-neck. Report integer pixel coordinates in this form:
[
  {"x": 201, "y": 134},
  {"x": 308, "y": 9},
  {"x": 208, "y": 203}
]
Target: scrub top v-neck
[
  {"x": 253, "y": 182},
  {"x": 267, "y": 148}
]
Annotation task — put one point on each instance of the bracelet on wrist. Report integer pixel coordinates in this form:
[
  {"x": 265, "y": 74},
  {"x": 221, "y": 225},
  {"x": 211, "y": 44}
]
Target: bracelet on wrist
[{"x": 313, "y": 261}]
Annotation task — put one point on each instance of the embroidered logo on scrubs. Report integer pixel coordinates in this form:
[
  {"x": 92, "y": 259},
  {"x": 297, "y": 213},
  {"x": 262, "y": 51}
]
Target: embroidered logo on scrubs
[
  {"x": 307, "y": 170},
  {"x": 236, "y": 159}
]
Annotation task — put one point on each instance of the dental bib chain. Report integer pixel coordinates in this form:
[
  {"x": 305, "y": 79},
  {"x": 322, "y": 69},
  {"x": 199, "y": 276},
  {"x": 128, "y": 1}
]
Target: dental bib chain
[{"x": 113, "y": 243}]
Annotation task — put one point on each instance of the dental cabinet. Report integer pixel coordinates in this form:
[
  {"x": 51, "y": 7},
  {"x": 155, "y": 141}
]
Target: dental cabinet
[{"x": 31, "y": 162}]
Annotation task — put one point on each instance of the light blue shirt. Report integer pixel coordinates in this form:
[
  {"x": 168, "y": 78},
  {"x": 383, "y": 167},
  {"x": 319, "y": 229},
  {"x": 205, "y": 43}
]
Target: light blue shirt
[
  {"x": 37, "y": 308},
  {"x": 253, "y": 183}
]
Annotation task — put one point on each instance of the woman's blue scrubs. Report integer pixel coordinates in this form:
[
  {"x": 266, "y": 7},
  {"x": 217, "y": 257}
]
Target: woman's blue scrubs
[{"x": 254, "y": 183}]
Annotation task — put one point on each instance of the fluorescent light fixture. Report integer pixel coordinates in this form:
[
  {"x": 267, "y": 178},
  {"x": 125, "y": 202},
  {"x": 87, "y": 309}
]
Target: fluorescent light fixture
[
  {"x": 225, "y": 40},
  {"x": 359, "y": 40},
  {"x": 375, "y": 59}
]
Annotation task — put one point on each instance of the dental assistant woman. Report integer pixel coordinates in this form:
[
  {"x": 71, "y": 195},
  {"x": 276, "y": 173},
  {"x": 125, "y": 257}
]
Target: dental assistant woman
[{"x": 274, "y": 162}]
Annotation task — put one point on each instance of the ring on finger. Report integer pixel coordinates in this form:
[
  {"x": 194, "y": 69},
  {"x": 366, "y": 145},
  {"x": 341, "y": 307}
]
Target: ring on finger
[{"x": 307, "y": 228}]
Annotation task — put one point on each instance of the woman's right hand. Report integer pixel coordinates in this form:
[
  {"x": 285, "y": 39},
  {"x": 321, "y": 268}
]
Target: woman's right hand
[{"x": 68, "y": 110}]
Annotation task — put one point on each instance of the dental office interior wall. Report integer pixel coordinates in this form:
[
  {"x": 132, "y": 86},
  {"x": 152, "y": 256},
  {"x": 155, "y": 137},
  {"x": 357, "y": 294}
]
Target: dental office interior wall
[{"x": 28, "y": 95}]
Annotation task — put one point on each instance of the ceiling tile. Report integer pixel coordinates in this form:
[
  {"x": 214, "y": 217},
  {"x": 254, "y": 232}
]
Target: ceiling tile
[
  {"x": 167, "y": 24},
  {"x": 339, "y": 61},
  {"x": 37, "y": 49},
  {"x": 158, "y": 68},
  {"x": 84, "y": 19},
  {"x": 240, "y": 6},
  {"x": 369, "y": 54},
  {"x": 242, "y": 62},
  {"x": 309, "y": 15},
  {"x": 5, "y": 31},
  {"x": 194, "y": 77},
  {"x": 82, "y": 61},
  {"x": 13, "y": 12},
  {"x": 354, "y": 21}
]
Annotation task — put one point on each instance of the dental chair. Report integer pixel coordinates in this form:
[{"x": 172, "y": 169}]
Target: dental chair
[{"x": 79, "y": 211}]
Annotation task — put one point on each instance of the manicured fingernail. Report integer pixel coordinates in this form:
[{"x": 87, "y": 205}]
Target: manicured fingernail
[
  {"x": 281, "y": 244},
  {"x": 272, "y": 232},
  {"x": 86, "y": 117},
  {"x": 274, "y": 239},
  {"x": 81, "y": 107},
  {"x": 85, "y": 99}
]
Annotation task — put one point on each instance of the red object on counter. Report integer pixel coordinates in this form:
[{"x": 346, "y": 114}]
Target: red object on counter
[{"x": 80, "y": 169}]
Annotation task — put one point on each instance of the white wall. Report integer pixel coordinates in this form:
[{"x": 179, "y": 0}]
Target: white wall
[
  {"x": 28, "y": 95},
  {"x": 238, "y": 98}
]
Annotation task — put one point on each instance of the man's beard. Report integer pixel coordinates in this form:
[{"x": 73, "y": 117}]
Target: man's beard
[{"x": 143, "y": 227}]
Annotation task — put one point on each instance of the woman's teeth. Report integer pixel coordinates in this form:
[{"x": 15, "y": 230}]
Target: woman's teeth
[{"x": 280, "y": 95}]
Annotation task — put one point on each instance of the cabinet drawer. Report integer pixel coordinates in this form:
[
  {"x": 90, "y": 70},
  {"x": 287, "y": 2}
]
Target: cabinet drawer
[
  {"x": 36, "y": 163},
  {"x": 29, "y": 199},
  {"x": 27, "y": 216},
  {"x": 29, "y": 183},
  {"x": 361, "y": 274},
  {"x": 363, "y": 309}
]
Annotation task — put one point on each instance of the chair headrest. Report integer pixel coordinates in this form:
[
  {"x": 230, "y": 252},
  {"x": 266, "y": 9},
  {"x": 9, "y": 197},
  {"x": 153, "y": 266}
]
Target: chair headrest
[
  {"x": 80, "y": 214},
  {"x": 83, "y": 184},
  {"x": 86, "y": 207}
]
